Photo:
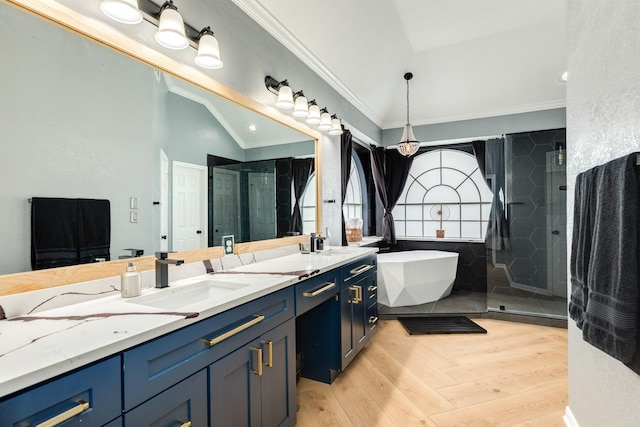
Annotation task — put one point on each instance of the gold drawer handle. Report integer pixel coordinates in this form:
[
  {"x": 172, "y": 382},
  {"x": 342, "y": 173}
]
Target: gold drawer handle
[
  {"x": 66, "y": 415},
  {"x": 259, "y": 357},
  {"x": 372, "y": 288},
  {"x": 373, "y": 319},
  {"x": 257, "y": 319},
  {"x": 269, "y": 344},
  {"x": 185, "y": 424},
  {"x": 361, "y": 269},
  {"x": 329, "y": 285}
]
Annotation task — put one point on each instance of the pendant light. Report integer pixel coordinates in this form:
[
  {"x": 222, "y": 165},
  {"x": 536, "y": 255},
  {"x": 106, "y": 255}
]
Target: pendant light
[
  {"x": 208, "y": 55},
  {"x": 171, "y": 33},
  {"x": 408, "y": 145},
  {"x": 123, "y": 11}
]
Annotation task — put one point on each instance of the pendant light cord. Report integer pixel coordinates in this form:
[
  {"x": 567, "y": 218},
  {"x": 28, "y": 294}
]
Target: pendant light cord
[{"x": 407, "y": 77}]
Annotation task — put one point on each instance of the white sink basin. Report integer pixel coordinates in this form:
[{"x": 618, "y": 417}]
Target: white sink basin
[{"x": 177, "y": 297}]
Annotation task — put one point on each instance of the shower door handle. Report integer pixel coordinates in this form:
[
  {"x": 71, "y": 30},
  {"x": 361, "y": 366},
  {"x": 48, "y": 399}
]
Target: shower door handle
[{"x": 555, "y": 232}]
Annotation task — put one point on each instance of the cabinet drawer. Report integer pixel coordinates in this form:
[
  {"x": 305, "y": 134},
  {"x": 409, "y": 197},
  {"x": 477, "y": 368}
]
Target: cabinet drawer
[
  {"x": 356, "y": 270},
  {"x": 156, "y": 365},
  {"x": 313, "y": 292},
  {"x": 88, "y": 397},
  {"x": 184, "y": 402}
]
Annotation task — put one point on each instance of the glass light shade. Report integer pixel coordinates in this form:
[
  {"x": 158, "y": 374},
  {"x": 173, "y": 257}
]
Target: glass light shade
[
  {"x": 325, "y": 121},
  {"x": 336, "y": 127},
  {"x": 314, "y": 115},
  {"x": 170, "y": 32},
  {"x": 301, "y": 107},
  {"x": 123, "y": 11},
  {"x": 408, "y": 145},
  {"x": 285, "y": 98},
  {"x": 208, "y": 53}
]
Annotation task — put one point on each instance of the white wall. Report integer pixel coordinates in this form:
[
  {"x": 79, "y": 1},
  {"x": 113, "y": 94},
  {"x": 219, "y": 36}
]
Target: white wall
[{"x": 603, "y": 123}]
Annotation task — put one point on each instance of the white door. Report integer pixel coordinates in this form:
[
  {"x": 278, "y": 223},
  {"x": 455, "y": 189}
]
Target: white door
[
  {"x": 262, "y": 205},
  {"x": 164, "y": 202},
  {"x": 189, "y": 208},
  {"x": 226, "y": 204}
]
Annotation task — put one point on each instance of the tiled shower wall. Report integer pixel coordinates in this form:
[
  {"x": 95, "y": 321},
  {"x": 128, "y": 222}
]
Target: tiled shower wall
[{"x": 526, "y": 175}]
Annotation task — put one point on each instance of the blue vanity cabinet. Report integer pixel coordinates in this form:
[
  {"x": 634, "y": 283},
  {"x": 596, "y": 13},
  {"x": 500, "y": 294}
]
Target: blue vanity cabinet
[
  {"x": 90, "y": 396},
  {"x": 184, "y": 404},
  {"x": 357, "y": 297},
  {"x": 256, "y": 385}
]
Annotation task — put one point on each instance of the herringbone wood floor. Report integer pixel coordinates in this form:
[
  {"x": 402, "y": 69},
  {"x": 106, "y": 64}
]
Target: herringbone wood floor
[{"x": 515, "y": 375}]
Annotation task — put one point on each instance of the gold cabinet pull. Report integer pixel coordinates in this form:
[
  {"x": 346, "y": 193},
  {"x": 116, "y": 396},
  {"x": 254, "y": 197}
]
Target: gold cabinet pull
[
  {"x": 269, "y": 344},
  {"x": 372, "y": 288},
  {"x": 361, "y": 269},
  {"x": 358, "y": 296},
  {"x": 185, "y": 424},
  {"x": 373, "y": 319},
  {"x": 258, "y": 351},
  {"x": 257, "y": 319},
  {"x": 327, "y": 286},
  {"x": 66, "y": 415}
]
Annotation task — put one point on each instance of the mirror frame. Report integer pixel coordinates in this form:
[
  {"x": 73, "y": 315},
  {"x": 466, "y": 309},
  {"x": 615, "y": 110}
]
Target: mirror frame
[{"x": 100, "y": 33}]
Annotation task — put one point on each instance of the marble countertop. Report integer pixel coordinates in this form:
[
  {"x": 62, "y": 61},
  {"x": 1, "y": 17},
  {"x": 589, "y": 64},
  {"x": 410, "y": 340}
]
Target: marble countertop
[{"x": 40, "y": 345}]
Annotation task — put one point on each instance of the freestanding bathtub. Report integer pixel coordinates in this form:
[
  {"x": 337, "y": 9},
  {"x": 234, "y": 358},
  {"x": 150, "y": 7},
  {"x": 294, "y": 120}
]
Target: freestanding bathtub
[{"x": 415, "y": 277}]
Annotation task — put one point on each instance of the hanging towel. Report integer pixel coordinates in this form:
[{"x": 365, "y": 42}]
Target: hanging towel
[
  {"x": 604, "y": 257},
  {"x": 94, "y": 236},
  {"x": 54, "y": 232}
]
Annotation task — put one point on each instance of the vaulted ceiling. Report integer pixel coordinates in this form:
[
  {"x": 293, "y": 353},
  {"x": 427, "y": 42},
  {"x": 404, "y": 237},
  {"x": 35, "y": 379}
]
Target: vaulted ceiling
[{"x": 470, "y": 58}]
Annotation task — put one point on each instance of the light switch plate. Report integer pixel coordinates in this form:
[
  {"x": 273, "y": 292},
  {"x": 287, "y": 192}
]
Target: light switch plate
[
  {"x": 228, "y": 245},
  {"x": 133, "y": 202}
]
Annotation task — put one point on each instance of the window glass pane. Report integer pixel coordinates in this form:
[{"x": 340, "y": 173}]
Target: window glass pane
[
  {"x": 452, "y": 177},
  {"x": 471, "y": 212},
  {"x": 414, "y": 213},
  {"x": 472, "y": 230},
  {"x": 451, "y": 229},
  {"x": 469, "y": 192},
  {"x": 442, "y": 194},
  {"x": 485, "y": 191},
  {"x": 429, "y": 179},
  {"x": 415, "y": 194},
  {"x": 459, "y": 160},
  {"x": 400, "y": 226},
  {"x": 398, "y": 212},
  {"x": 426, "y": 161},
  {"x": 430, "y": 228},
  {"x": 414, "y": 229},
  {"x": 486, "y": 210}
]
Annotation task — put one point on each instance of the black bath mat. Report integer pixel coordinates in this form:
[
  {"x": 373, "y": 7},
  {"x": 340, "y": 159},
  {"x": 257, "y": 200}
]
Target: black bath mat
[{"x": 440, "y": 325}]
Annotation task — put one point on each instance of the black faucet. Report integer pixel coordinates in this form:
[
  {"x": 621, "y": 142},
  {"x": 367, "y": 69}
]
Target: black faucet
[{"x": 162, "y": 268}]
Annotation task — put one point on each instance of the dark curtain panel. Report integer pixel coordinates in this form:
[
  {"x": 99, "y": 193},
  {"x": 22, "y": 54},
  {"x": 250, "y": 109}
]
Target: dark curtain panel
[
  {"x": 302, "y": 169},
  {"x": 390, "y": 172},
  {"x": 346, "y": 145},
  {"x": 490, "y": 157}
]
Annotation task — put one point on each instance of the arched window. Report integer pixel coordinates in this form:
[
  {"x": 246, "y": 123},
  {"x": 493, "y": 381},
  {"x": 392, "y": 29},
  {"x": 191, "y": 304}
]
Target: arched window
[
  {"x": 445, "y": 195},
  {"x": 352, "y": 207},
  {"x": 309, "y": 206}
]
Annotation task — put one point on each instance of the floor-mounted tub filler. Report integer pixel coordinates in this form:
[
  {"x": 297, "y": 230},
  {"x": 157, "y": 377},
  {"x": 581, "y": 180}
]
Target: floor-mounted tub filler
[{"x": 415, "y": 277}]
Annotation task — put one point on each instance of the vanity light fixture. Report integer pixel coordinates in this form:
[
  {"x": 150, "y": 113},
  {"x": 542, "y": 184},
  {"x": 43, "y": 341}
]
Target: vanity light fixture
[
  {"x": 314, "y": 113},
  {"x": 171, "y": 32},
  {"x": 282, "y": 89},
  {"x": 408, "y": 145},
  {"x": 336, "y": 126},
  {"x": 301, "y": 106},
  {"x": 123, "y": 11},
  {"x": 325, "y": 120},
  {"x": 208, "y": 50}
]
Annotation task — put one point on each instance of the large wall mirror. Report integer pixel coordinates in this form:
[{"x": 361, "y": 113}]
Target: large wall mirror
[{"x": 80, "y": 120}]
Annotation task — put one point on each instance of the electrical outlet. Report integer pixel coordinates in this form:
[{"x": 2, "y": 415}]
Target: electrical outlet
[
  {"x": 228, "y": 245},
  {"x": 133, "y": 216}
]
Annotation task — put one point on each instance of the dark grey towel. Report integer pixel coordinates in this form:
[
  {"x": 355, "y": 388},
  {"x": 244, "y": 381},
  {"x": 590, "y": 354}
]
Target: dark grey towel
[{"x": 604, "y": 257}]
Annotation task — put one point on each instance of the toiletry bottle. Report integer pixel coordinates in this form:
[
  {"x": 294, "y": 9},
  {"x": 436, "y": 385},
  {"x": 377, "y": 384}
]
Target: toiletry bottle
[{"x": 130, "y": 282}]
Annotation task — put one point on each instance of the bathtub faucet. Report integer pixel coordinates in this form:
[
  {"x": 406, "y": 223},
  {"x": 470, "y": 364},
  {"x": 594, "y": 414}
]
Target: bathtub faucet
[{"x": 162, "y": 268}]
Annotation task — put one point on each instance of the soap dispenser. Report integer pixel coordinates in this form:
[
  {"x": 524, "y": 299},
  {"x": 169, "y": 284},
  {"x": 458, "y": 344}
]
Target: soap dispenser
[{"x": 130, "y": 285}]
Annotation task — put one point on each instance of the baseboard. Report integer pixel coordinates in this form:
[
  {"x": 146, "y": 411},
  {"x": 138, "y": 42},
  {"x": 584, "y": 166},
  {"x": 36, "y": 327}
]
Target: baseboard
[{"x": 569, "y": 419}]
